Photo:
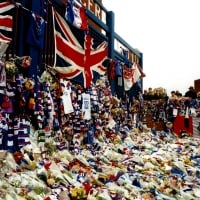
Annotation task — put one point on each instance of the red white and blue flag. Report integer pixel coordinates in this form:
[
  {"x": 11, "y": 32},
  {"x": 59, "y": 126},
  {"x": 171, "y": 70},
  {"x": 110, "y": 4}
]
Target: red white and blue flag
[
  {"x": 128, "y": 75},
  {"x": 74, "y": 59},
  {"x": 131, "y": 75},
  {"x": 6, "y": 20},
  {"x": 6, "y": 25},
  {"x": 76, "y": 14}
]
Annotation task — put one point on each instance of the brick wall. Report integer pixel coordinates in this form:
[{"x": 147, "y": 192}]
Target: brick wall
[{"x": 197, "y": 85}]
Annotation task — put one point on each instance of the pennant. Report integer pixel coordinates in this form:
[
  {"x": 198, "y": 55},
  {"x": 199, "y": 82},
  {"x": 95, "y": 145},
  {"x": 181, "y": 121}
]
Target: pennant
[
  {"x": 76, "y": 14},
  {"x": 75, "y": 59}
]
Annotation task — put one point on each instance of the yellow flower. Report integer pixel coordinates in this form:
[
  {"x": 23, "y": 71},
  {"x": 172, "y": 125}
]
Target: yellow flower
[
  {"x": 78, "y": 193},
  {"x": 73, "y": 192}
]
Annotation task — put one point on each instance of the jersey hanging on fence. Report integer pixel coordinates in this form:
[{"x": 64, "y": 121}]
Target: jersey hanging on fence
[
  {"x": 75, "y": 58},
  {"x": 86, "y": 106},
  {"x": 66, "y": 97}
]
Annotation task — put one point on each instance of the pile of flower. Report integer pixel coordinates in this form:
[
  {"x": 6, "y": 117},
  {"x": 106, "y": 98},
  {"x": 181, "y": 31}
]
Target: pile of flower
[{"x": 141, "y": 165}]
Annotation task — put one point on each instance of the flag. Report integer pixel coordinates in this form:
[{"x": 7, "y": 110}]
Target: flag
[
  {"x": 128, "y": 77},
  {"x": 138, "y": 72},
  {"x": 36, "y": 30},
  {"x": 131, "y": 75},
  {"x": 6, "y": 25},
  {"x": 76, "y": 14},
  {"x": 74, "y": 60},
  {"x": 128, "y": 71},
  {"x": 6, "y": 20}
]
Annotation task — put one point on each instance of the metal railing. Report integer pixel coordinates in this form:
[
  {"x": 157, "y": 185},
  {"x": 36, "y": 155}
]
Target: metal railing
[{"x": 105, "y": 32}]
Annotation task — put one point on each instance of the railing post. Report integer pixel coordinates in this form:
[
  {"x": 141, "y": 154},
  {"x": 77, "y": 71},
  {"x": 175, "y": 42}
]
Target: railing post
[
  {"x": 141, "y": 64},
  {"x": 110, "y": 21}
]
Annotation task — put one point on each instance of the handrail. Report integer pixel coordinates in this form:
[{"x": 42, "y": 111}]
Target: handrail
[
  {"x": 121, "y": 40},
  {"x": 111, "y": 35}
]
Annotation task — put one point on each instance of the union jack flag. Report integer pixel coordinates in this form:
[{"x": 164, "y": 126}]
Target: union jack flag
[
  {"x": 74, "y": 59},
  {"x": 6, "y": 20},
  {"x": 6, "y": 25}
]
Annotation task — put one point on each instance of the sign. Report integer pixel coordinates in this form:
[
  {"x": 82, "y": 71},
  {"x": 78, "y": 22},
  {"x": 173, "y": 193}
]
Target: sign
[{"x": 93, "y": 7}]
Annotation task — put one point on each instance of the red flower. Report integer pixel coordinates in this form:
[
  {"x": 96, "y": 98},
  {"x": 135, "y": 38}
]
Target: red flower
[
  {"x": 47, "y": 198},
  {"x": 47, "y": 165}
]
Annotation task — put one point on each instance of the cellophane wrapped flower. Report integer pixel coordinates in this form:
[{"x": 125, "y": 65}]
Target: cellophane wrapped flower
[
  {"x": 11, "y": 68},
  {"x": 78, "y": 193}
]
